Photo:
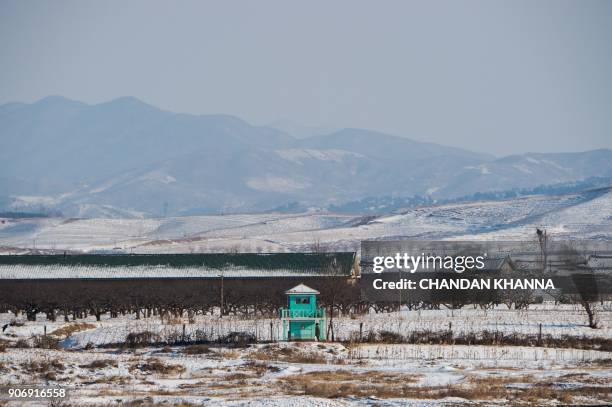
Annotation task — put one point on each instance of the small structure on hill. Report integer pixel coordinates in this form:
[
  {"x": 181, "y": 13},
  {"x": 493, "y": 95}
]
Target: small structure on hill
[{"x": 302, "y": 319}]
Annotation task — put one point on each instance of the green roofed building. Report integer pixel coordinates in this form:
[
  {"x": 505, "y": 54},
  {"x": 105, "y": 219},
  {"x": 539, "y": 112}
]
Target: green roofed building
[{"x": 206, "y": 265}]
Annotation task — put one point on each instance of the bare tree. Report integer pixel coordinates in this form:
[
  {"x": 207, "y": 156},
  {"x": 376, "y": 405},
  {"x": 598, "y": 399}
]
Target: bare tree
[
  {"x": 317, "y": 247},
  {"x": 584, "y": 282}
]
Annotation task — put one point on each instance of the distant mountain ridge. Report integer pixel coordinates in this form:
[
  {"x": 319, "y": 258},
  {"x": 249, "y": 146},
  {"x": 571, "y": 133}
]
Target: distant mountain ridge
[{"x": 128, "y": 158}]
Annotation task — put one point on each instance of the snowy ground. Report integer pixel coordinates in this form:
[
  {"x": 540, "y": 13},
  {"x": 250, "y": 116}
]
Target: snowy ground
[
  {"x": 555, "y": 320},
  {"x": 318, "y": 374},
  {"x": 98, "y": 371},
  {"x": 314, "y": 374},
  {"x": 586, "y": 215}
]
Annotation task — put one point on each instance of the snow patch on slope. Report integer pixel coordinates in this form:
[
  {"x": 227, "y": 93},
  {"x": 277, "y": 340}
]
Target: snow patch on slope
[
  {"x": 298, "y": 155},
  {"x": 276, "y": 184}
]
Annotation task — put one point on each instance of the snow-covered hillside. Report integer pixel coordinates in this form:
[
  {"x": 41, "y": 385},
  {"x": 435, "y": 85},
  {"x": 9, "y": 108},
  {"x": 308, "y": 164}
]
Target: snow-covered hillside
[
  {"x": 126, "y": 158},
  {"x": 571, "y": 216}
]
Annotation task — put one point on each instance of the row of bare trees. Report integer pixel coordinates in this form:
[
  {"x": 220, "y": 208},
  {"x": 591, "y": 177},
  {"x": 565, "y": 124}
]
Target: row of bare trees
[
  {"x": 174, "y": 297},
  {"x": 73, "y": 299}
]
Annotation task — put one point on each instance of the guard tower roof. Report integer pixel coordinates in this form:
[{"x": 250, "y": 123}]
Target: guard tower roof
[{"x": 302, "y": 289}]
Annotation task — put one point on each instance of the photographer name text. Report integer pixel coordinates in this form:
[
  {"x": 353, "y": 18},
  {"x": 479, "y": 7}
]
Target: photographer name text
[{"x": 466, "y": 284}]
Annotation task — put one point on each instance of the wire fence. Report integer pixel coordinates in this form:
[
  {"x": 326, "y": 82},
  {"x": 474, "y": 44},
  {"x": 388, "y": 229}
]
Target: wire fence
[
  {"x": 261, "y": 330},
  {"x": 546, "y": 321}
]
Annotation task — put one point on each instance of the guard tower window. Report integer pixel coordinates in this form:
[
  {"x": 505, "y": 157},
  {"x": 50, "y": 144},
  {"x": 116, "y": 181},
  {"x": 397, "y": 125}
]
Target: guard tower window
[{"x": 302, "y": 300}]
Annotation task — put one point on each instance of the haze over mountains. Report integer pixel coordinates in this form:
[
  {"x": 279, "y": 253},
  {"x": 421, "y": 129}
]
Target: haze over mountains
[{"x": 125, "y": 157}]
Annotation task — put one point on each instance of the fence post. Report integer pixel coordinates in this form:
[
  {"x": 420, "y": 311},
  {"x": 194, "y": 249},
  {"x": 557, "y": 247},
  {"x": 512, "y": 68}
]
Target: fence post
[
  {"x": 360, "y": 331},
  {"x": 540, "y": 335},
  {"x": 183, "y": 333},
  {"x": 271, "y": 333}
]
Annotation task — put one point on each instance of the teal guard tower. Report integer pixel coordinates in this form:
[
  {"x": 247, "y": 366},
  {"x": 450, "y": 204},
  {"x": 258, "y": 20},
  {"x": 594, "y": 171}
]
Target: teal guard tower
[{"x": 302, "y": 320}]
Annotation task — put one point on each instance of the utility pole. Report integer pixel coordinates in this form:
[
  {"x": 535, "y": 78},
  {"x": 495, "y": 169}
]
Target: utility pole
[
  {"x": 221, "y": 308},
  {"x": 400, "y": 292},
  {"x": 543, "y": 240}
]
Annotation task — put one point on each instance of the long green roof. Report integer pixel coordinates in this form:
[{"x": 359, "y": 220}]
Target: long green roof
[{"x": 308, "y": 263}]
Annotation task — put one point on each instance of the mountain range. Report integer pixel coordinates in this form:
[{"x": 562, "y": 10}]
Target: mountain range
[{"x": 128, "y": 158}]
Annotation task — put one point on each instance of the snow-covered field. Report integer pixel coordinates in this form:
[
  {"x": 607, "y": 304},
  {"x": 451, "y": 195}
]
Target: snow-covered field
[
  {"x": 586, "y": 215},
  {"x": 98, "y": 370},
  {"x": 314, "y": 375},
  {"x": 318, "y": 374}
]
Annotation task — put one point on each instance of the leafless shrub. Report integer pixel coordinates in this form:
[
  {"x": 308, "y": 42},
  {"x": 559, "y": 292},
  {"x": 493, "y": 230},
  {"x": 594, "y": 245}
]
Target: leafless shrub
[
  {"x": 344, "y": 383},
  {"x": 238, "y": 339},
  {"x": 174, "y": 321},
  {"x": 71, "y": 328},
  {"x": 100, "y": 364},
  {"x": 45, "y": 342},
  {"x": 238, "y": 376},
  {"x": 261, "y": 368},
  {"x": 22, "y": 344},
  {"x": 141, "y": 339},
  {"x": 390, "y": 337},
  {"x": 200, "y": 336},
  {"x": 491, "y": 338},
  {"x": 157, "y": 366},
  {"x": 46, "y": 368},
  {"x": 114, "y": 379},
  {"x": 286, "y": 354},
  {"x": 17, "y": 322},
  {"x": 196, "y": 349}
]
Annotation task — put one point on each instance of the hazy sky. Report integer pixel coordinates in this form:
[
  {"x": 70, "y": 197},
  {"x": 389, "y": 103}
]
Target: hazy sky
[{"x": 493, "y": 76}]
